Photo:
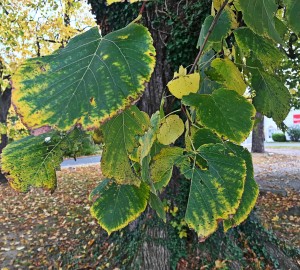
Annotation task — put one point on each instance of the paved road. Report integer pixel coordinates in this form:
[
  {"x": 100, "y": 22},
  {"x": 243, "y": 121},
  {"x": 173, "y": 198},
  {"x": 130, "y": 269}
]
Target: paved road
[{"x": 81, "y": 161}]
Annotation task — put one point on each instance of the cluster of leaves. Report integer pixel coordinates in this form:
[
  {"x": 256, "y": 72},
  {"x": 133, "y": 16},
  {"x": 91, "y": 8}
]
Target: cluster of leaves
[{"x": 92, "y": 83}]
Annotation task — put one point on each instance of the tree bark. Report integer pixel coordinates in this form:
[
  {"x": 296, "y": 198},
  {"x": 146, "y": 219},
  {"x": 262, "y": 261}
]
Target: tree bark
[
  {"x": 258, "y": 135},
  {"x": 5, "y": 102}
]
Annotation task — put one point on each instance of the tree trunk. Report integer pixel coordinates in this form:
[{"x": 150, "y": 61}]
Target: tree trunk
[
  {"x": 258, "y": 135},
  {"x": 5, "y": 102}
]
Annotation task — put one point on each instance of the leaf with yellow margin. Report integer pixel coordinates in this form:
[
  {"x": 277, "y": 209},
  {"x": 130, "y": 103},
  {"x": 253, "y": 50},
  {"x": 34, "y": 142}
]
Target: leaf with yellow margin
[
  {"x": 118, "y": 205},
  {"x": 184, "y": 84},
  {"x": 121, "y": 138},
  {"x": 215, "y": 193},
  {"x": 170, "y": 130},
  {"x": 32, "y": 161},
  {"x": 89, "y": 81},
  {"x": 225, "y": 72},
  {"x": 251, "y": 189}
]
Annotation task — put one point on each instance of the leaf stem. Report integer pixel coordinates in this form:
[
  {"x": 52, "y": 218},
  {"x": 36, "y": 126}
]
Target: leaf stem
[{"x": 211, "y": 28}]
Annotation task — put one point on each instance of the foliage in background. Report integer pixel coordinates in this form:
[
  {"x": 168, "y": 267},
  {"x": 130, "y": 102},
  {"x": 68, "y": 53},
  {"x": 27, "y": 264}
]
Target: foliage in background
[
  {"x": 294, "y": 133},
  {"x": 278, "y": 137}
]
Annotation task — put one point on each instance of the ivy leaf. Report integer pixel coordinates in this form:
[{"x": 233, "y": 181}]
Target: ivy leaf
[
  {"x": 118, "y": 205},
  {"x": 163, "y": 163},
  {"x": 225, "y": 112},
  {"x": 184, "y": 84},
  {"x": 272, "y": 98},
  {"x": 157, "y": 205},
  {"x": 227, "y": 74},
  {"x": 219, "y": 32},
  {"x": 293, "y": 14},
  {"x": 259, "y": 16},
  {"x": 215, "y": 193},
  {"x": 261, "y": 47},
  {"x": 251, "y": 189},
  {"x": 32, "y": 161},
  {"x": 88, "y": 81},
  {"x": 170, "y": 130},
  {"x": 121, "y": 138}
]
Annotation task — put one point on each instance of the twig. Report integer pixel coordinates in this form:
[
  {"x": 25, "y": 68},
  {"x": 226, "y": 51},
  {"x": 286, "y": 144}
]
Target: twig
[
  {"x": 142, "y": 8},
  {"x": 211, "y": 28}
]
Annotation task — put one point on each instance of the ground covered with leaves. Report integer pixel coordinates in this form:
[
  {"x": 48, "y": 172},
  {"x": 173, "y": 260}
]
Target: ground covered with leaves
[{"x": 39, "y": 230}]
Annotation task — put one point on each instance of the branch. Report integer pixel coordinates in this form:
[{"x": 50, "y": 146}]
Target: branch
[{"x": 211, "y": 28}]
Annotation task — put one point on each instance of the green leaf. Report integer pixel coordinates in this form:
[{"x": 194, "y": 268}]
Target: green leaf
[
  {"x": 251, "y": 189},
  {"x": 158, "y": 206},
  {"x": 163, "y": 163},
  {"x": 88, "y": 81},
  {"x": 225, "y": 112},
  {"x": 97, "y": 190},
  {"x": 219, "y": 32},
  {"x": 32, "y": 161},
  {"x": 118, "y": 205},
  {"x": 272, "y": 98},
  {"x": 149, "y": 137},
  {"x": 207, "y": 86},
  {"x": 227, "y": 74},
  {"x": 259, "y": 16},
  {"x": 293, "y": 14},
  {"x": 121, "y": 138},
  {"x": 261, "y": 47},
  {"x": 215, "y": 193}
]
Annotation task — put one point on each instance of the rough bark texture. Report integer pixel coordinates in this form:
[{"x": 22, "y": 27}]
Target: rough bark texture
[
  {"x": 258, "y": 137},
  {"x": 5, "y": 102}
]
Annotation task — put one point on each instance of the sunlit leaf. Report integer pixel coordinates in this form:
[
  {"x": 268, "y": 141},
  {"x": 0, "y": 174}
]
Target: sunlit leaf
[
  {"x": 215, "y": 193},
  {"x": 184, "y": 84},
  {"x": 259, "y": 16},
  {"x": 170, "y": 130},
  {"x": 225, "y": 112},
  {"x": 88, "y": 81},
  {"x": 118, "y": 205},
  {"x": 251, "y": 189},
  {"x": 121, "y": 138},
  {"x": 225, "y": 72}
]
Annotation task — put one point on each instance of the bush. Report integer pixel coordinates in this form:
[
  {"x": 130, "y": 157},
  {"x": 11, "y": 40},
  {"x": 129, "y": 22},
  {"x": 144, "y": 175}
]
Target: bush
[
  {"x": 279, "y": 137},
  {"x": 294, "y": 133}
]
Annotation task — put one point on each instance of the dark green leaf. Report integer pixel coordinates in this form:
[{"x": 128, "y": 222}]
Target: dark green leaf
[
  {"x": 87, "y": 82},
  {"x": 118, "y": 205},
  {"x": 272, "y": 97},
  {"x": 259, "y": 16},
  {"x": 225, "y": 112}
]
